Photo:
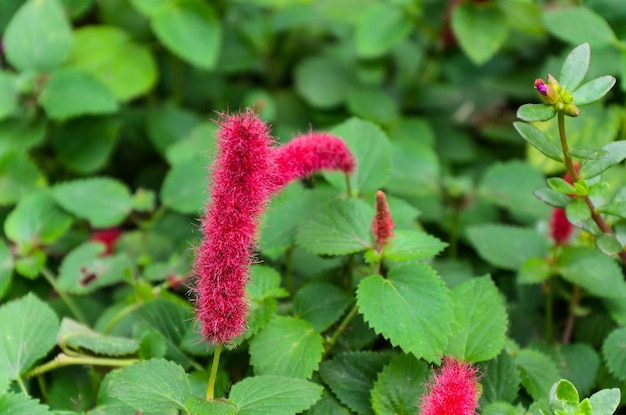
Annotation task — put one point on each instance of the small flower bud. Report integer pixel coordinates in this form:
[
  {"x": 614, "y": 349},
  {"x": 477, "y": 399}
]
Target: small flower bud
[
  {"x": 547, "y": 92},
  {"x": 571, "y": 110}
]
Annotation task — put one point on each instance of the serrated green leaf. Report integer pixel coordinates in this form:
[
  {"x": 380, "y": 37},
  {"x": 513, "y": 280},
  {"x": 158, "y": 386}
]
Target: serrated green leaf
[
  {"x": 27, "y": 328},
  {"x": 579, "y": 24},
  {"x": 78, "y": 337},
  {"x": 372, "y": 152},
  {"x": 592, "y": 168},
  {"x": 191, "y": 30},
  {"x": 276, "y": 395},
  {"x": 152, "y": 385},
  {"x": 286, "y": 346},
  {"x": 594, "y": 90},
  {"x": 36, "y": 220},
  {"x": 12, "y": 403},
  {"x": 109, "y": 54},
  {"x": 595, "y": 272},
  {"x": 39, "y": 37},
  {"x": 578, "y": 211},
  {"x": 184, "y": 186},
  {"x": 381, "y": 27},
  {"x": 536, "y": 112},
  {"x": 575, "y": 67},
  {"x": 614, "y": 352},
  {"x": 481, "y": 29},
  {"x": 321, "y": 304},
  {"x": 500, "y": 380},
  {"x": 84, "y": 269},
  {"x": 605, "y": 402},
  {"x": 103, "y": 201},
  {"x": 608, "y": 244},
  {"x": 538, "y": 372},
  {"x": 413, "y": 245},
  {"x": 70, "y": 93},
  {"x": 340, "y": 228},
  {"x": 399, "y": 386},
  {"x": 538, "y": 139},
  {"x": 481, "y": 321},
  {"x": 200, "y": 406},
  {"x": 552, "y": 197},
  {"x": 328, "y": 405},
  {"x": 505, "y": 246},
  {"x": 412, "y": 296},
  {"x": 351, "y": 377}
]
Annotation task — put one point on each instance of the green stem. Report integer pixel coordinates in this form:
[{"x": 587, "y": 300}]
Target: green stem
[
  {"x": 120, "y": 315},
  {"x": 571, "y": 318},
  {"x": 63, "y": 360},
  {"x": 210, "y": 390},
  {"x": 342, "y": 327},
  {"x": 20, "y": 382},
  {"x": 348, "y": 186},
  {"x": 49, "y": 276}
]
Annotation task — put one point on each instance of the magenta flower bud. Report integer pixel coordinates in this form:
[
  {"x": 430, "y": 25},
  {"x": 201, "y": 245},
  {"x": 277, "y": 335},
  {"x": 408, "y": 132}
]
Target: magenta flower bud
[
  {"x": 547, "y": 92},
  {"x": 382, "y": 225}
]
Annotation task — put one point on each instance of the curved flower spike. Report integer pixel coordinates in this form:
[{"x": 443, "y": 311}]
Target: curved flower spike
[{"x": 453, "y": 390}]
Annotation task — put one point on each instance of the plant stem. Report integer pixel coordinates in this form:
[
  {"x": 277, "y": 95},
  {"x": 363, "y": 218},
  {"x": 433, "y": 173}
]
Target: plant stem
[
  {"x": 49, "y": 276},
  {"x": 20, "y": 382},
  {"x": 571, "y": 318},
  {"x": 348, "y": 186},
  {"x": 569, "y": 165},
  {"x": 210, "y": 390},
  {"x": 341, "y": 328},
  {"x": 64, "y": 360}
]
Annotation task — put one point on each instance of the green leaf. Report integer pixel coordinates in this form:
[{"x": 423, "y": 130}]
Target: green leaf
[
  {"x": 184, "y": 188},
  {"x": 605, "y": 402},
  {"x": 578, "y": 211},
  {"x": 538, "y": 372},
  {"x": 8, "y": 94},
  {"x": 552, "y": 197},
  {"x": 103, "y": 201},
  {"x": 500, "y": 408},
  {"x": 561, "y": 185},
  {"x": 28, "y": 327},
  {"x": 12, "y": 403},
  {"x": 110, "y": 55},
  {"x": 323, "y": 82},
  {"x": 339, "y": 228},
  {"x": 38, "y": 37},
  {"x": 534, "y": 271},
  {"x": 579, "y": 363},
  {"x": 19, "y": 176},
  {"x": 21, "y": 134},
  {"x": 78, "y": 337},
  {"x": 505, "y": 246},
  {"x": 374, "y": 104},
  {"x": 614, "y": 352},
  {"x": 200, "y": 406},
  {"x": 84, "y": 270},
  {"x": 264, "y": 283},
  {"x": 168, "y": 124},
  {"x": 566, "y": 391},
  {"x": 538, "y": 139},
  {"x": 575, "y": 25},
  {"x": 69, "y": 93},
  {"x": 351, "y": 377},
  {"x": 30, "y": 265},
  {"x": 589, "y": 153},
  {"x": 408, "y": 245},
  {"x": 608, "y": 244},
  {"x": 617, "y": 153},
  {"x": 328, "y": 405},
  {"x": 321, "y": 304},
  {"x": 536, "y": 112},
  {"x": 415, "y": 168},
  {"x": 594, "y": 90},
  {"x": 372, "y": 151},
  {"x": 286, "y": 346},
  {"x": 37, "y": 220},
  {"x": 595, "y": 272},
  {"x": 82, "y": 155},
  {"x": 153, "y": 385},
  {"x": 191, "y": 30},
  {"x": 575, "y": 67},
  {"x": 481, "y": 29},
  {"x": 614, "y": 208},
  {"x": 412, "y": 296},
  {"x": 501, "y": 379},
  {"x": 399, "y": 386},
  {"x": 381, "y": 27},
  {"x": 481, "y": 321},
  {"x": 599, "y": 189},
  {"x": 276, "y": 395},
  {"x": 6, "y": 268}
]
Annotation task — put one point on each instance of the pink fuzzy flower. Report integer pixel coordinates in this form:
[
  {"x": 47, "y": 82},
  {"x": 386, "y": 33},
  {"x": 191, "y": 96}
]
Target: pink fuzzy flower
[
  {"x": 454, "y": 390},
  {"x": 382, "y": 225},
  {"x": 242, "y": 178},
  {"x": 308, "y": 153},
  {"x": 560, "y": 228}
]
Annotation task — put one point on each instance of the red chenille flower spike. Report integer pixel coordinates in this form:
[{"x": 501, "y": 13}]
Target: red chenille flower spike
[
  {"x": 454, "y": 390},
  {"x": 382, "y": 225}
]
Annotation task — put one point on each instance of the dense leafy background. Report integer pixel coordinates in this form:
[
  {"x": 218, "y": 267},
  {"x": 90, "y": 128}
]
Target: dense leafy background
[{"x": 106, "y": 121}]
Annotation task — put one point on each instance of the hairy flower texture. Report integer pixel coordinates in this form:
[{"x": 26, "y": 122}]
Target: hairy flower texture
[
  {"x": 242, "y": 176},
  {"x": 308, "y": 153},
  {"x": 382, "y": 225},
  {"x": 454, "y": 390}
]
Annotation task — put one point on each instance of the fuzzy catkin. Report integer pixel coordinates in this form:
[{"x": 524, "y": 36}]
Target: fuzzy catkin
[{"x": 454, "y": 389}]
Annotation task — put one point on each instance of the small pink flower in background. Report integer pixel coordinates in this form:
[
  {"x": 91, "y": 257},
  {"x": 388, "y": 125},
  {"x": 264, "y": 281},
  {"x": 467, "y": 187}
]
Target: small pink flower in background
[
  {"x": 308, "y": 153},
  {"x": 454, "y": 390},
  {"x": 560, "y": 228},
  {"x": 241, "y": 186},
  {"x": 382, "y": 225},
  {"x": 107, "y": 237}
]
